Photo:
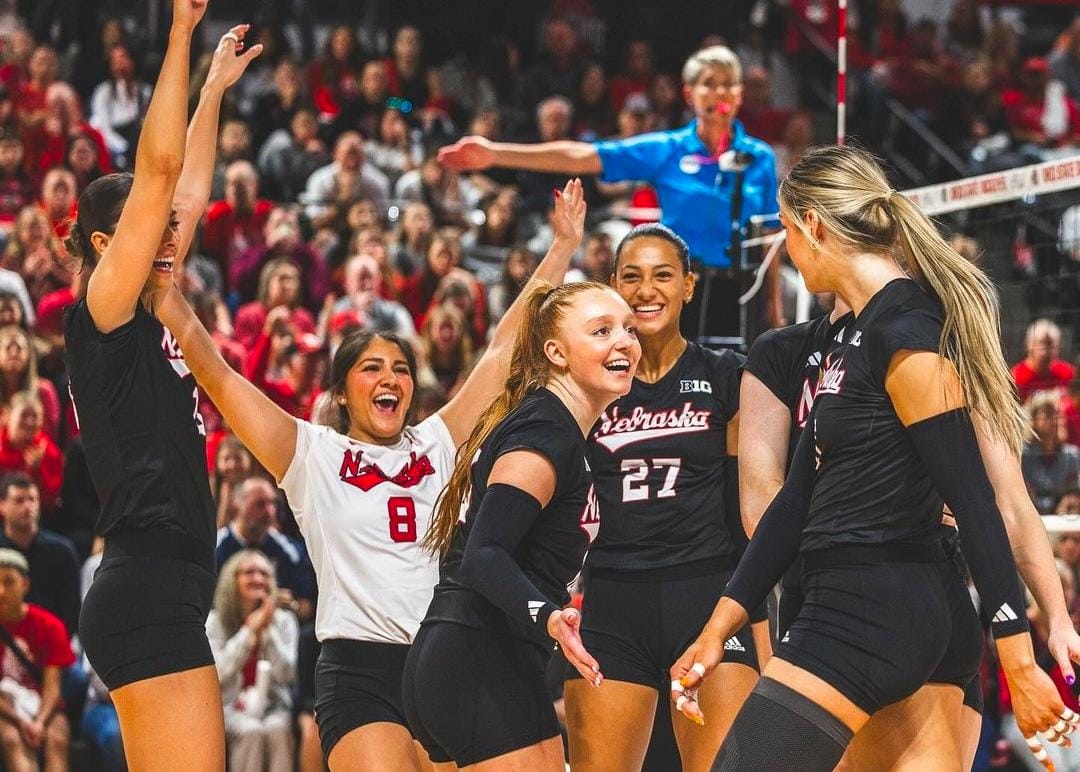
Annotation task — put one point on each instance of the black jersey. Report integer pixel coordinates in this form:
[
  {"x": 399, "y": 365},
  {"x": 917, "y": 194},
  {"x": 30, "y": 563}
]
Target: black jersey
[
  {"x": 871, "y": 486},
  {"x": 551, "y": 554},
  {"x": 788, "y": 361},
  {"x": 136, "y": 403},
  {"x": 657, "y": 457}
]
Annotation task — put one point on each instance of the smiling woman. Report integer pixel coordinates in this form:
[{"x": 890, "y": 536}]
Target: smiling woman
[
  {"x": 509, "y": 556},
  {"x": 363, "y": 486}
]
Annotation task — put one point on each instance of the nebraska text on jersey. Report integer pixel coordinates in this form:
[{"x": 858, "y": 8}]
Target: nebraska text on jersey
[
  {"x": 833, "y": 376},
  {"x": 368, "y": 476},
  {"x": 617, "y": 431}
]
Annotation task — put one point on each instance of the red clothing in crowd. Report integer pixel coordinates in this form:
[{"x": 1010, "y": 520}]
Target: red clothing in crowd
[
  {"x": 281, "y": 392},
  {"x": 44, "y": 640},
  {"x": 1024, "y": 112},
  {"x": 50, "y": 312},
  {"x": 226, "y": 234},
  {"x": 46, "y": 150},
  {"x": 1028, "y": 381},
  {"x": 251, "y": 317},
  {"x": 49, "y": 473}
]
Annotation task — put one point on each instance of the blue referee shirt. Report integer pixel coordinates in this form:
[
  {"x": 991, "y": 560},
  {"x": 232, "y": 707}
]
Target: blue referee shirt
[{"x": 695, "y": 195}]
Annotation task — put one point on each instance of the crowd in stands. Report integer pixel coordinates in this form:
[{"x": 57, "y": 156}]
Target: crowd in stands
[{"x": 330, "y": 212}]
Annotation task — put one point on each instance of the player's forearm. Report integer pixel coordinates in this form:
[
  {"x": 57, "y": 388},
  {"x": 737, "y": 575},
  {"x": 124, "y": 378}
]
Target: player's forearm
[
  {"x": 200, "y": 151},
  {"x": 1035, "y": 564},
  {"x": 562, "y": 157}
]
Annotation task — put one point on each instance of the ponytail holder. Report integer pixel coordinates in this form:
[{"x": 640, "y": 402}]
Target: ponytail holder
[{"x": 889, "y": 195}]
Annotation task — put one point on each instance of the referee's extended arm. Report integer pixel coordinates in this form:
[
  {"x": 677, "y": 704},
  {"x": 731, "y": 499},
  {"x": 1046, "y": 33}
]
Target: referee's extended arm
[{"x": 561, "y": 157}]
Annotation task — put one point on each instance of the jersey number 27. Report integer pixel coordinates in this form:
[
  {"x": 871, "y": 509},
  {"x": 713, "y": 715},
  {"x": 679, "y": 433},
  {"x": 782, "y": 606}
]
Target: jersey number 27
[{"x": 635, "y": 485}]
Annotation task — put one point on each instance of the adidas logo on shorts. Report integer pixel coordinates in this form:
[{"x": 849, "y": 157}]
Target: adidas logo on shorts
[{"x": 732, "y": 644}]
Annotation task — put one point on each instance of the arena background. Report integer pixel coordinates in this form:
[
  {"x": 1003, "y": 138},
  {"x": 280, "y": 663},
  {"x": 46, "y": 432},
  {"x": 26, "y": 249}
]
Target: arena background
[{"x": 973, "y": 105}]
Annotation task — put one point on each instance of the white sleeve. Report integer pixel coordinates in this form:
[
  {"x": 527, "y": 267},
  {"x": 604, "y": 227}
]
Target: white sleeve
[
  {"x": 432, "y": 430},
  {"x": 295, "y": 480}
]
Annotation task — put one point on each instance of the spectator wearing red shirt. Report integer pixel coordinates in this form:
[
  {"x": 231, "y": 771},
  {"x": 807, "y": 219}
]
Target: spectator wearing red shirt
[
  {"x": 637, "y": 74},
  {"x": 279, "y": 285},
  {"x": 1039, "y": 111},
  {"x": 1041, "y": 369},
  {"x": 41, "y": 73},
  {"x": 47, "y": 142},
  {"x": 19, "y": 373},
  {"x": 758, "y": 115},
  {"x": 281, "y": 238},
  {"x": 59, "y": 199},
  {"x": 922, "y": 76},
  {"x": 296, "y": 389},
  {"x": 237, "y": 222},
  {"x": 34, "y": 721},
  {"x": 26, "y": 448},
  {"x": 16, "y": 55},
  {"x": 334, "y": 75}
]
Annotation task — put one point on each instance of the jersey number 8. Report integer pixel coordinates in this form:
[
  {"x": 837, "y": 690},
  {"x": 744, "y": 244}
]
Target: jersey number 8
[
  {"x": 635, "y": 486},
  {"x": 402, "y": 511}
]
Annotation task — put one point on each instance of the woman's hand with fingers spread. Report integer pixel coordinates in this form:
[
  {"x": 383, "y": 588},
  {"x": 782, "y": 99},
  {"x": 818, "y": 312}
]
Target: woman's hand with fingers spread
[
  {"x": 230, "y": 60},
  {"x": 568, "y": 221},
  {"x": 565, "y": 627}
]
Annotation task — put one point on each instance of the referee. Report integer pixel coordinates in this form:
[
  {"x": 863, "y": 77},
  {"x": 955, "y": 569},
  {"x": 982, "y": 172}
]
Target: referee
[{"x": 707, "y": 174}]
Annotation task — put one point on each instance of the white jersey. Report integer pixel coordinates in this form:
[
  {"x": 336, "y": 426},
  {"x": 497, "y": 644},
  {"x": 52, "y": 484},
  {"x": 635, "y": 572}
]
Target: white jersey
[{"x": 363, "y": 510}]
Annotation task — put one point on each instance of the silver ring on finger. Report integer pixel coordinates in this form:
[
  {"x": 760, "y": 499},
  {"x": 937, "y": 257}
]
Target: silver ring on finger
[{"x": 231, "y": 36}]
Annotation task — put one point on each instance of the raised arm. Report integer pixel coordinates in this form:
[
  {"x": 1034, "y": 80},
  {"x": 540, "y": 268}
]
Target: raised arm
[
  {"x": 486, "y": 380},
  {"x": 128, "y": 257},
  {"x": 267, "y": 430},
  {"x": 562, "y": 157},
  {"x": 196, "y": 178}
]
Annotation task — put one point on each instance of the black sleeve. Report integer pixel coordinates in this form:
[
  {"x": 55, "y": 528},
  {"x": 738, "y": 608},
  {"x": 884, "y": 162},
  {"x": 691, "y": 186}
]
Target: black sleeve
[
  {"x": 917, "y": 329},
  {"x": 504, "y": 518},
  {"x": 770, "y": 362},
  {"x": 725, "y": 374},
  {"x": 547, "y": 437},
  {"x": 776, "y": 541},
  {"x": 949, "y": 449}
]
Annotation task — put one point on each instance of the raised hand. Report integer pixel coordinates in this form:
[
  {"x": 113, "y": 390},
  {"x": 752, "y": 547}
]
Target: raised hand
[
  {"x": 568, "y": 220},
  {"x": 187, "y": 14},
  {"x": 468, "y": 154},
  {"x": 230, "y": 59}
]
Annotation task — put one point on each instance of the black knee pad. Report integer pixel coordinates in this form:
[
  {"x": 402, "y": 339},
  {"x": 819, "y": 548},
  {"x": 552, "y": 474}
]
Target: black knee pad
[{"x": 778, "y": 728}]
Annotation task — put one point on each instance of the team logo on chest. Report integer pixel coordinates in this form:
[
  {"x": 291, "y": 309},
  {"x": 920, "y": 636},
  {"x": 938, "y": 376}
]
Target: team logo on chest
[
  {"x": 832, "y": 377},
  {"x": 590, "y": 516},
  {"x": 366, "y": 476},
  {"x": 173, "y": 353},
  {"x": 617, "y": 430}
]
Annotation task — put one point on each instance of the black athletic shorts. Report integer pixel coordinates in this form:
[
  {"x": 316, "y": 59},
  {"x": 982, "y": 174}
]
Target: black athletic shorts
[
  {"x": 791, "y": 599},
  {"x": 636, "y": 624},
  {"x": 472, "y": 695},
  {"x": 145, "y": 615},
  {"x": 973, "y": 694},
  {"x": 877, "y": 628},
  {"x": 357, "y": 683}
]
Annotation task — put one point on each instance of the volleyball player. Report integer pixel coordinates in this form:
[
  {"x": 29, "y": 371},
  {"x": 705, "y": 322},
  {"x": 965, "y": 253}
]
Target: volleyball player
[
  {"x": 143, "y": 620},
  {"x": 663, "y": 462},
  {"x": 884, "y": 610},
  {"x": 363, "y": 490},
  {"x": 777, "y": 392},
  {"x": 474, "y": 681}
]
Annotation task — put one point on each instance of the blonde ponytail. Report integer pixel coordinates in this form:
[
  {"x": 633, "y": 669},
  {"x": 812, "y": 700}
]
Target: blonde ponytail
[
  {"x": 971, "y": 335},
  {"x": 846, "y": 187},
  {"x": 529, "y": 370}
]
